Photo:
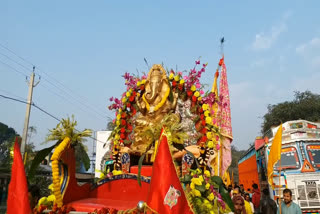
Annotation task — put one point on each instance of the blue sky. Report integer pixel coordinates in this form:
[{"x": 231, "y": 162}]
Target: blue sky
[{"x": 81, "y": 49}]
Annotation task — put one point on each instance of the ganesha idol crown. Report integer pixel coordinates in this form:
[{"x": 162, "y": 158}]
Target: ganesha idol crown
[{"x": 157, "y": 71}]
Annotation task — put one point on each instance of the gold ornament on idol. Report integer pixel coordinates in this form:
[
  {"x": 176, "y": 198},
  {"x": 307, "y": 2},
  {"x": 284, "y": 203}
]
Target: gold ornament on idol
[{"x": 159, "y": 105}]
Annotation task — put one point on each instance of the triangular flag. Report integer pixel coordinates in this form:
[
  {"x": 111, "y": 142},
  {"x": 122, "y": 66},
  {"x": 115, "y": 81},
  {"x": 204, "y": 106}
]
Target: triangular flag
[
  {"x": 166, "y": 195},
  {"x": 307, "y": 167},
  {"x": 18, "y": 202},
  {"x": 275, "y": 154}
]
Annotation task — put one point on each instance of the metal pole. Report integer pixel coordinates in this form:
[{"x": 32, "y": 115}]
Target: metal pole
[{"x": 280, "y": 186}]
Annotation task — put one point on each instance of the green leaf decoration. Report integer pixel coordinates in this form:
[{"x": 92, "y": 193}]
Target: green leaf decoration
[
  {"x": 223, "y": 192},
  {"x": 83, "y": 156},
  {"x": 40, "y": 156},
  {"x": 139, "y": 168},
  {"x": 201, "y": 188}
]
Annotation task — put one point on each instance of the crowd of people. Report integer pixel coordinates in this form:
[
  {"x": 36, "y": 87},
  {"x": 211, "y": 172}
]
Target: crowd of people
[{"x": 252, "y": 201}]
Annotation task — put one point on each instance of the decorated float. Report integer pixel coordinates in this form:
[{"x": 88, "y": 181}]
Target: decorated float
[{"x": 170, "y": 149}]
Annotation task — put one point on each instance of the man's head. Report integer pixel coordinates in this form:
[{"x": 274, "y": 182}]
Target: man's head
[
  {"x": 247, "y": 196},
  {"x": 249, "y": 190},
  {"x": 265, "y": 192},
  {"x": 238, "y": 203},
  {"x": 241, "y": 187},
  {"x": 287, "y": 196},
  {"x": 236, "y": 192},
  {"x": 255, "y": 186}
]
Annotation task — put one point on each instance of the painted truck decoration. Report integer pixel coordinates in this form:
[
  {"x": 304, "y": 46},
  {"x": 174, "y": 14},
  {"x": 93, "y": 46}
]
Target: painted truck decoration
[{"x": 300, "y": 163}]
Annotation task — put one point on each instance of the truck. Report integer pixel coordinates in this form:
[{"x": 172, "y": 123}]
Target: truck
[{"x": 300, "y": 164}]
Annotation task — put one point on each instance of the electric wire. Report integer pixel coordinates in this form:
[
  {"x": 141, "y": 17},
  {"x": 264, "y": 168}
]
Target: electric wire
[
  {"x": 11, "y": 51},
  {"x": 15, "y": 70},
  {"x": 12, "y": 60},
  {"x": 44, "y": 111}
]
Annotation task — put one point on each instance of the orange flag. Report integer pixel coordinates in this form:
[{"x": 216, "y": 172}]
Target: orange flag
[
  {"x": 166, "y": 195},
  {"x": 275, "y": 154},
  {"x": 18, "y": 202}
]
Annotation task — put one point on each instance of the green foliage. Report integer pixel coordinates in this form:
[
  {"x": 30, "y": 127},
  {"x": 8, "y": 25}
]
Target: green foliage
[
  {"x": 306, "y": 105},
  {"x": 82, "y": 156},
  {"x": 39, "y": 157},
  {"x": 236, "y": 155}
]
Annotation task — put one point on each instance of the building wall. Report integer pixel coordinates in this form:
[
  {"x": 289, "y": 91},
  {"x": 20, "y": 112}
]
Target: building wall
[{"x": 102, "y": 146}]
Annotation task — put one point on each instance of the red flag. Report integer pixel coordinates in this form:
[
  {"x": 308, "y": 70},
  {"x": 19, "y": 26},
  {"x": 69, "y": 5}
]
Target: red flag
[
  {"x": 18, "y": 201},
  {"x": 166, "y": 194}
]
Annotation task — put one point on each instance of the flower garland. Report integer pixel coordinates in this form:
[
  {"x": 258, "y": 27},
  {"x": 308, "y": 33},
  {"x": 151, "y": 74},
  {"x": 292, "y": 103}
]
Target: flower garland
[{"x": 159, "y": 105}]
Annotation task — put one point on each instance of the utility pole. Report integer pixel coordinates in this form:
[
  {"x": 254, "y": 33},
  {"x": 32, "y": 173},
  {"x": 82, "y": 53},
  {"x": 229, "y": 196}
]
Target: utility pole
[{"x": 26, "y": 120}]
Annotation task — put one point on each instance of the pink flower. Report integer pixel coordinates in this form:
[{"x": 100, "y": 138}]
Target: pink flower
[
  {"x": 144, "y": 77},
  {"x": 198, "y": 85},
  {"x": 218, "y": 146},
  {"x": 204, "y": 65},
  {"x": 197, "y": 62},
  {"x": 201, "y": 92},
  {"x": 180, "y": 73},
  {"x": 185, "y": 77},
  {"x": 217, "y": 138},
  {"x": 203, "y": 70},
  {"x": 111, "y": 99}
]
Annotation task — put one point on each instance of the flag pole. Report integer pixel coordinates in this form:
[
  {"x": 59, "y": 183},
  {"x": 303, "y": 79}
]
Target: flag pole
[{"x": 280, "y": 185}]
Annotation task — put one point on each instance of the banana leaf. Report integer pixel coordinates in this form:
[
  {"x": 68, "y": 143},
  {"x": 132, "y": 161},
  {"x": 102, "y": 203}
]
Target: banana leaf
[
  {"x": 40, "y": 156},
  {"x": 83, "y": 155},
  {"x": 223, "y": 192}
]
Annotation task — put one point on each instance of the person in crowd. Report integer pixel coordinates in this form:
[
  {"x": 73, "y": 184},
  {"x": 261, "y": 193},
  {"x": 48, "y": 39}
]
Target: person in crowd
[
  {"x": 250, "y": 192},
  {"x": 256, "y": 195},
  {"x": 34, "y": 195},
  {"x": 247, "y": 206},
  {"x": 287, "y": 205},
  {"x": 267, "y": 205},
  {"x": 238, "y": 203},
  {"x": 242, "y": 190},
  {"x": 247, "y": 198}
]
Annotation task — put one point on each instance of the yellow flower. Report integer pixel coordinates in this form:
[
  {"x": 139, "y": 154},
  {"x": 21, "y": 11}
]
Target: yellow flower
[
  {"x": 51, "y": 198},
  {"x": 42, "y": 200},
  {"x": 198, "y": 170},
  {"x": 143, "y": 82},
  {"x": 196, "y": 94},
  {"x": 128, "y": 94},
  {"x": 124, "y": 99},
  {"x": 208, "y": 174},
  {"x": 196, "y": 192},
  {"x": 193, "y": 88},
  {"x": 209, "y": 135},
  {"x": 117, "y": 137},
  {"x": 199, "y": 98},
  {"x": 118, "y": 116},
  {"x": 115, "y": 142},
  {"x": 210, "y": 144},
  {"x": 208, "y": 120},
  {"x": 201, "y": 178},
  {"x": 196, "y": 181},
  {"x": 205, "y": 201},
  {"x": 50, "y": 187},
  {"x": 205, "y": 107},
  {"x": 209, "y": 206},
  {"x": 182, "y": 81},
  {"x": 118, "y": 123},
  {"x": 120, "y": 110},
  {"x": 207, "y": 186},
  {"x": 171, "y": 76},
  {"x": 206, "y": 113},
  {"x": 138, "y": 83},
  {"x": 211, "y": 197},
  {"x": 116, "y": 172},
  {"x": 192, "y": 186},
  {"x": 177, "y": 78}
]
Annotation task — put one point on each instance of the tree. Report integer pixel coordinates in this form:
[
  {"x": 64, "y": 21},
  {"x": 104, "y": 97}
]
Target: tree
[
  {"x": 65, "y": 128},
  {"x": 7, "y": 139},
  {"x": 306, "y": 105}
]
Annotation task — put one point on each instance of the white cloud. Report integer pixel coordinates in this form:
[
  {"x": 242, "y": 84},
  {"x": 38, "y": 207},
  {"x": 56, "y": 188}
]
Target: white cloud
[
  {"x": 310, "y": 51},
  {"x": 264, "y": 40}
]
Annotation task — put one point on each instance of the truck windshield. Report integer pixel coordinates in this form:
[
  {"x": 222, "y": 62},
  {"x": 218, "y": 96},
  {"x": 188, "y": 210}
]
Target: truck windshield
[
  {"x": 289, "y": 159},
  {"x": 314, "y": 155}
]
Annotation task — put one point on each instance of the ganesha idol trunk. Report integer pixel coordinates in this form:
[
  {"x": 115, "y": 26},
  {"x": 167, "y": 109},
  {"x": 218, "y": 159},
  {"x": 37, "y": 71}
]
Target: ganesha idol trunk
[{"x": 120, "y": 192}]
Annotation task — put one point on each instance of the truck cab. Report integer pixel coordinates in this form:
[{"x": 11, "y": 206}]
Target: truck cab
[{"x": 300, "y": 163}]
